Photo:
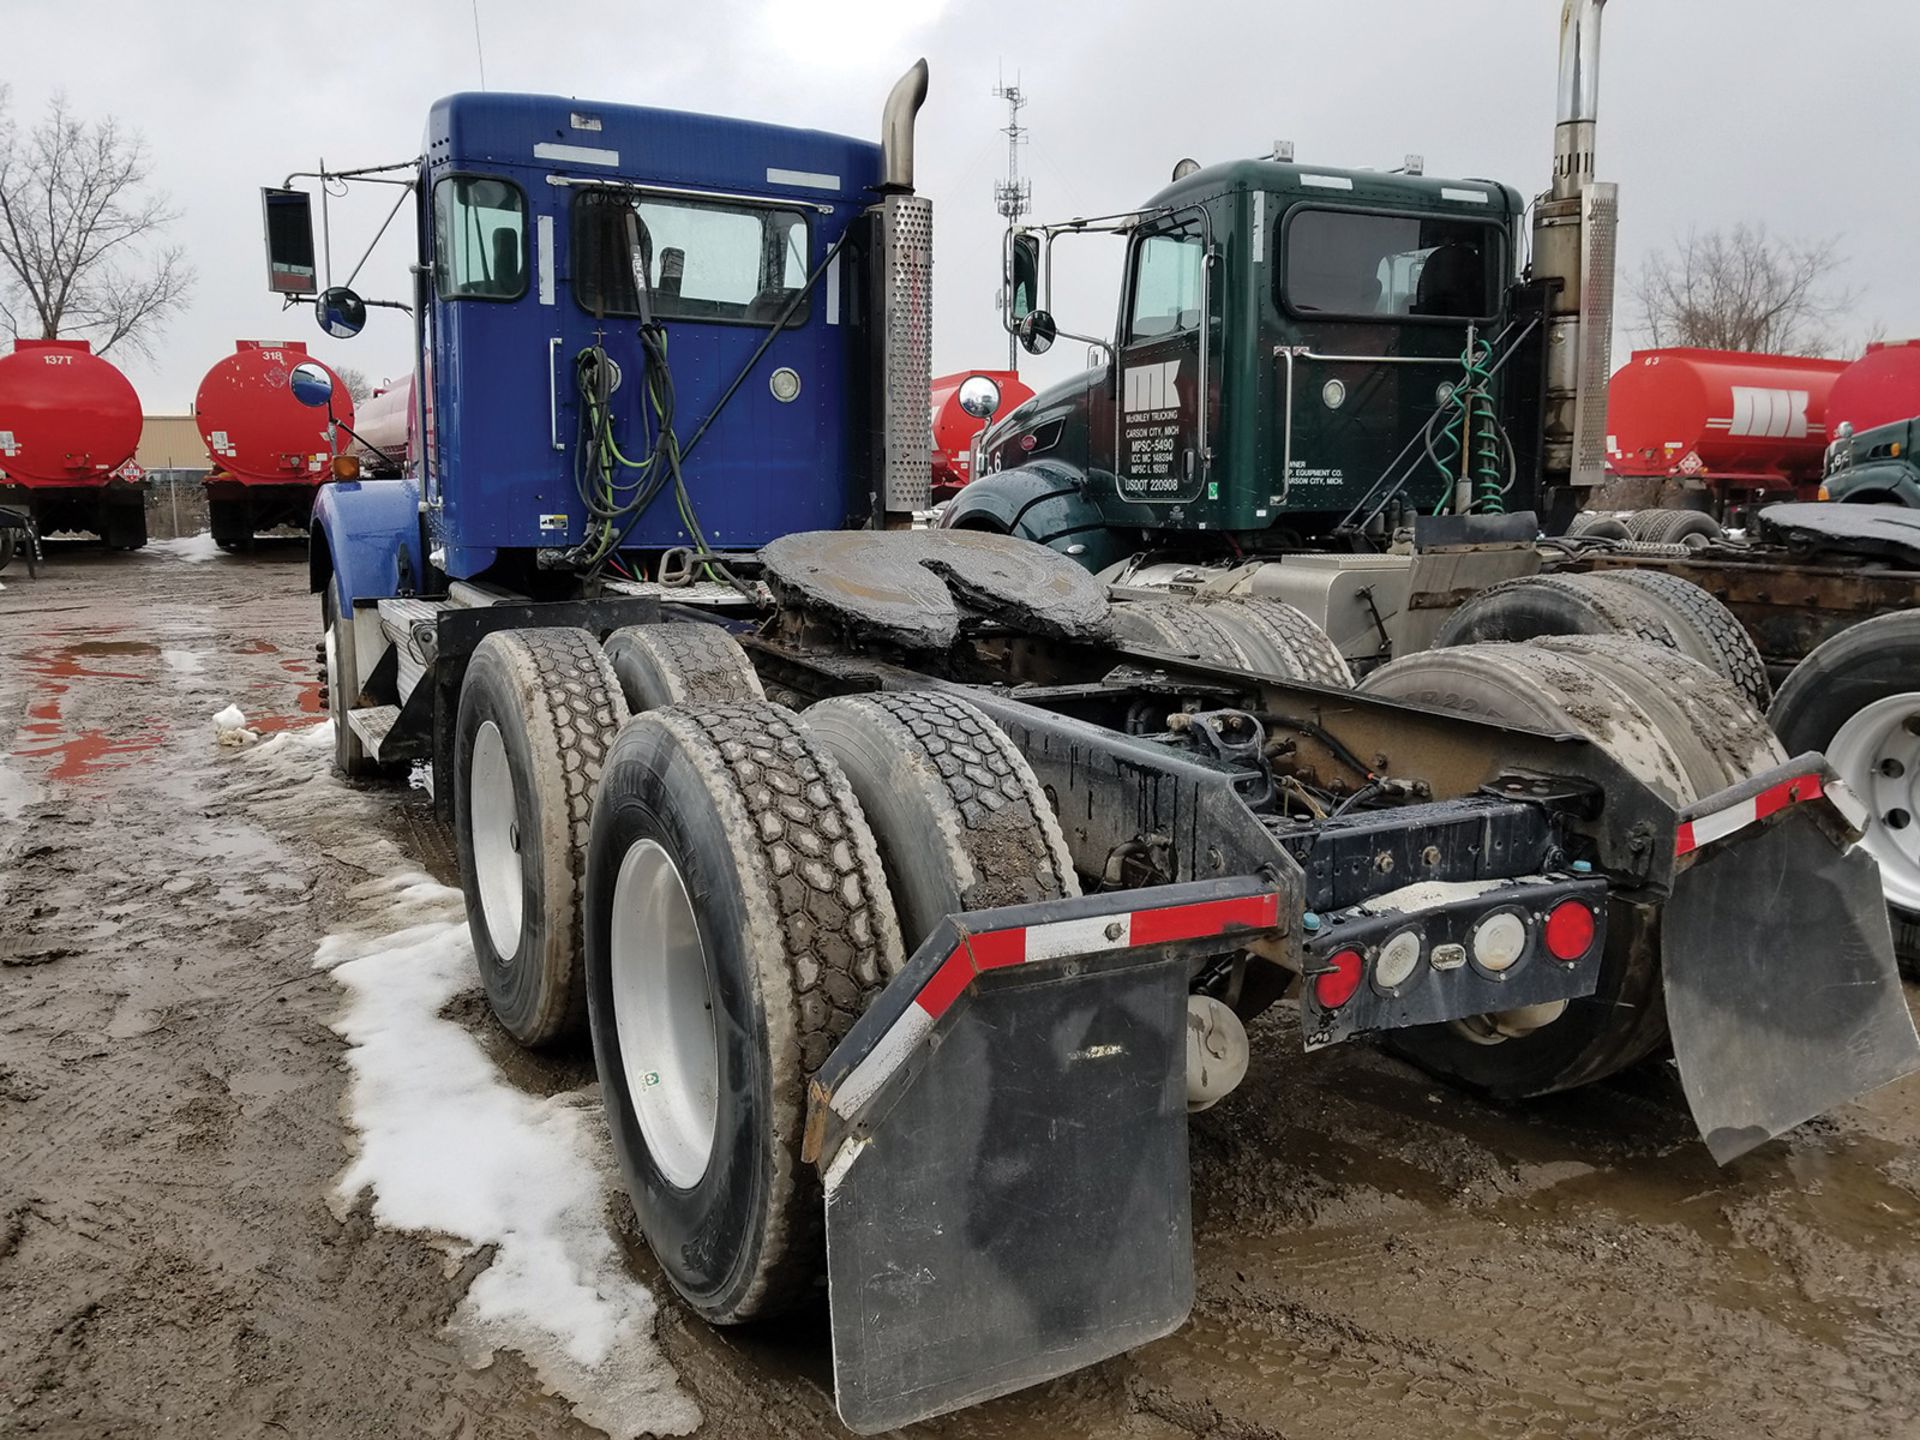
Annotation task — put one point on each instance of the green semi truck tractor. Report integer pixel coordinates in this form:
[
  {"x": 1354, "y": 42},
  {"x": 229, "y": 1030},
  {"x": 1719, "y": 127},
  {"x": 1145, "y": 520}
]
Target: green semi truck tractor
[{"x": 1306, "y": 357}]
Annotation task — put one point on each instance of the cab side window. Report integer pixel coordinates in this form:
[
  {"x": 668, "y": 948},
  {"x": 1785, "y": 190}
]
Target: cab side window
[
  {"x": 480, "y": 238},
  {"x": 1168, "y": 285}
]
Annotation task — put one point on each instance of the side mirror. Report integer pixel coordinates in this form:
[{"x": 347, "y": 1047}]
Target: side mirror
[
  {"x": 1023, "y": 278},
  {"x": 311, "y": 384},
  {"x": 288, "y": 215},
  {"x": 1037, "y": 332},
  {"x": 979, "y": 396},
  {"x": 341, "y": 313}
]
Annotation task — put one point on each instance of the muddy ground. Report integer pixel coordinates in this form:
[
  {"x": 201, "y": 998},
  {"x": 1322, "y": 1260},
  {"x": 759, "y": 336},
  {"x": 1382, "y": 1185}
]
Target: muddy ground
[{"x": 1376, "y": 1258}]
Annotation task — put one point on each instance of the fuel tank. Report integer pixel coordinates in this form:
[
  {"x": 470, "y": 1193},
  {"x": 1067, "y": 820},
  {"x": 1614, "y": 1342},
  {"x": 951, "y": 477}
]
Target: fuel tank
[
  {"x": 67, "y": 416},
  {"x": 256, "y": 432},
  {"x": 1721, "y": 415}
]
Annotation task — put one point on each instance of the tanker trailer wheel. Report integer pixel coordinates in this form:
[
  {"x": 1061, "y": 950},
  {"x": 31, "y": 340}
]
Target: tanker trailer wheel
[
  {"x": 1857, "y": 698},
  {"x": 350, "y": 757},
  {"x": 1670, "y": 721},
  {"x": 737, "y": 923},
  {"x": 538, "y": 709},
  {"x": 7, "y": 543},
  {"x": 1672, "y": 527},
  {"x": 231, "y": 524},
  {"x": 961, "y": 822},
  {"x": 1180, "y": 627},
  {"x": 691, "y": 663},
  {"x": 1706, "y": 629}
]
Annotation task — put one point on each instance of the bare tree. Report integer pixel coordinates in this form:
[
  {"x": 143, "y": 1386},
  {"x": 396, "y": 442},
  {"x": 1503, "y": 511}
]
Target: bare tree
[
  {"x": 355, "y": 382},
  {"x": 79, "y": 234},
  {"x": 1743, "y": 289}
]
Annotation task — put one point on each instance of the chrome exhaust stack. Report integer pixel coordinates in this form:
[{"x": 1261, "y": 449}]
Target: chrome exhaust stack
[
  {"x": 909, "y": 93},
  {"x": 897, "y": 252},
  {"x": 1573, "y": 243}
]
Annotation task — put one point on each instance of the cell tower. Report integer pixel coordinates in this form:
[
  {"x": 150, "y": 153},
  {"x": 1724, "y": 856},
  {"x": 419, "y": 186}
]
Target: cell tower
[{"x": 1012, "y": 197}]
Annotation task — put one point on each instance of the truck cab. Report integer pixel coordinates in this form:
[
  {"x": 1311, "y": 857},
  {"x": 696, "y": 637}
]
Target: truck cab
[
  {"x": 1874, "y": 467},
  {"x": 1285, "y": 335},
  {"x": 555, "y": 236}
]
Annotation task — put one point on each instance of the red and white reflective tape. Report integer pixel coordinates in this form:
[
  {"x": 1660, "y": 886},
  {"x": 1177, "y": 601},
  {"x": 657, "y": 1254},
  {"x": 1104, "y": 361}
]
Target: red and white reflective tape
[
  {"x": 994, "y": 949},
  {"x": 1704, "y": 829}
]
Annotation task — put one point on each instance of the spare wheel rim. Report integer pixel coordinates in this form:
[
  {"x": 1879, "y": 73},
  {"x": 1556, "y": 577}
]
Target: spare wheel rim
[
  {"x": 495, "y": 829},
  {"x": 663, "y": 1014},
  {"x": 1877, "y": 752}
]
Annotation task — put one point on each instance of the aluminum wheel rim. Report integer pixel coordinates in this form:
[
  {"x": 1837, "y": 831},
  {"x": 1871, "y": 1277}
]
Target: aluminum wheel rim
[
  {"x": 1877, "y": 752},
  {"x": 496, "y": 839},
  {"x": 663, "y": 1014}
]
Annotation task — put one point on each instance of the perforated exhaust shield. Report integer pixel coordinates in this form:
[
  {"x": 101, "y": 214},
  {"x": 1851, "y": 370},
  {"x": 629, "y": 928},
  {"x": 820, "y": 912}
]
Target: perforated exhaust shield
[
  {"x": 1599, "y": 223},
  {"x": 907, "y": 226}
]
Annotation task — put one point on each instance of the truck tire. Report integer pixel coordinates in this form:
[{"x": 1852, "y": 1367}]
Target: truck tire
[
  {"x": 961, "y": 822},
  {"x": 1599, "y": 525},
  {"x": 1282, "y": 640},
  {"x": 1672, "y": 722},
  {"x": 350, "y": 757},
  {"x": 738, "y": 922},
  {"x": 538, "y": 709},
  {"x": 1180, "y": 627},
  {"x": 1672, "y": 527},
  {"x": 689, "y": 663},
  {"x": 1705, "y": 629},
  {"x": 1537, "y": 605},
  {"x": 8, "y": 539},
  {"x": 1856, "y": 698}
]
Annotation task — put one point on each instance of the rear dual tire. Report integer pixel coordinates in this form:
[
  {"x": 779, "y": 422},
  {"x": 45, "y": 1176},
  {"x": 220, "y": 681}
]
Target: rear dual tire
[
  {"x": 1253, "y": 633},
  {"x": 538, "y": 711},
  {"x": 795, "y": 930}
]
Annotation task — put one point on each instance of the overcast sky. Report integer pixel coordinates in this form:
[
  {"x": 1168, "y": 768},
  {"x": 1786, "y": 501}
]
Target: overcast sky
[{"x": 1712, "y": 112}]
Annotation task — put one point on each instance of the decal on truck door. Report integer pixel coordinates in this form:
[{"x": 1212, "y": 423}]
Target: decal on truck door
[{"x": 1151, "y": 424}]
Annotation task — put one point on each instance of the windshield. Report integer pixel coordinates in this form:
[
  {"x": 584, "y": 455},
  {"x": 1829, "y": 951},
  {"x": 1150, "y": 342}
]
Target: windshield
[{"x": 1373, "y": 266}]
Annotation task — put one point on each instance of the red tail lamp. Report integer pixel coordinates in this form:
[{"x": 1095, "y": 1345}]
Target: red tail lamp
[
  {"x": 1569, "y": 930},
  {"x": 1334, "y": 985}
]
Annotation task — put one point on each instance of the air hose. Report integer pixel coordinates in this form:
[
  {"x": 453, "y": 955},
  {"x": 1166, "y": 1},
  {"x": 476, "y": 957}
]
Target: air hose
[
  {"x": 615, "y": 504},
  {"x": 1472, "y": 429}
]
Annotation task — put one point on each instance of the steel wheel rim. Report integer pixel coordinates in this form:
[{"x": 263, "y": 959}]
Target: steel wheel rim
[
  {"x": 1877, "y": 752},
  {"x": 663, "y": 1014},
  {"x": 495, "y": 828}
]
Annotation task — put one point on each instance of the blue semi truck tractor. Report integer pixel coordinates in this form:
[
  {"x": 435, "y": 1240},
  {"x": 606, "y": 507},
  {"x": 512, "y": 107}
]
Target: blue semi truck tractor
[{"x": 910, "y": 889}]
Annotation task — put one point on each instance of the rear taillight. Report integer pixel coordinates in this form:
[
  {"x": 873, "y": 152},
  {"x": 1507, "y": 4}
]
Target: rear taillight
[
  {"x": 1499, "y": 941},
  {"x": 1334, "y": 985},
  {"x": 1569, "y": 930}
]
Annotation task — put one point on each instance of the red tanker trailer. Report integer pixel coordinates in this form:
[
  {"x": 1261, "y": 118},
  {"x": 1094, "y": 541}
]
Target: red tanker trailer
[
  {"x": 383, "y": 440},
  {"x": 1882, "y": 386},
  {"x": 69, "y": 424},
  {"x": 1741, "y": 425},
  {"x": 954, "y": 428},
  {"x": 269, "y": 452}
]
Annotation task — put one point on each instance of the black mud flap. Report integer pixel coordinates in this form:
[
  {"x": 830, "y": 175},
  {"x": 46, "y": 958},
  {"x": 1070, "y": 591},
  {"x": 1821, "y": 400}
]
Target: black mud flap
[
  {"x": 1782, "y": 994},
  {"x": 1004, "y": 1147}
]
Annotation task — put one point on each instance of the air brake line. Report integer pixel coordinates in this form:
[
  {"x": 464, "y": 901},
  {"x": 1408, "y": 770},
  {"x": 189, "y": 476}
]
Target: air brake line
[{"x": 611, "y": 502}]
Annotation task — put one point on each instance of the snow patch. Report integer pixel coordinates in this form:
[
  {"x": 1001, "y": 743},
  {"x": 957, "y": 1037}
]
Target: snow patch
[
  {"x": 182, "y": 662},
  {"x": 17, "y": 792},
  {"x": 230, "y": 727},
  {"x": 451, "y": 1150},
  {"x": 191, "y": 548}
]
